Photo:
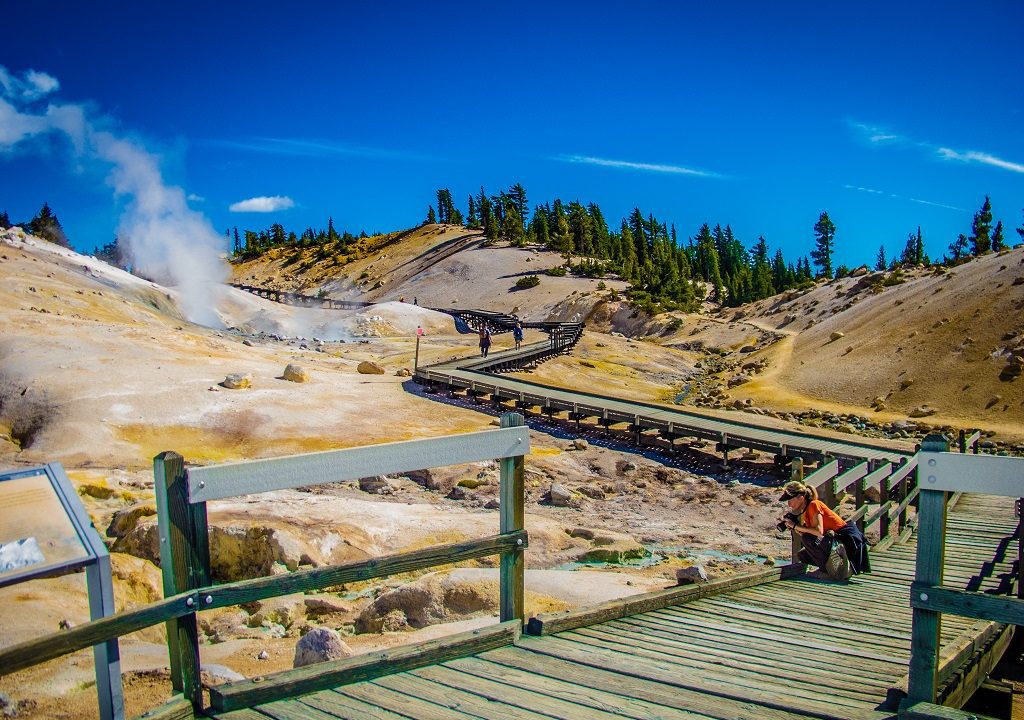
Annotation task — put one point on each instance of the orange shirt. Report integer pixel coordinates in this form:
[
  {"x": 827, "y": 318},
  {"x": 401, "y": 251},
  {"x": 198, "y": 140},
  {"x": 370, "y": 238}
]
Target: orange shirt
[{"x": 831, "y": 521}]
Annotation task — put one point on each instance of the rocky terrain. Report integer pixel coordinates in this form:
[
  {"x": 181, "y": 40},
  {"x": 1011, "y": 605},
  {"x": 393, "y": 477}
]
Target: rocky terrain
[{"x": 100, "y": 370}]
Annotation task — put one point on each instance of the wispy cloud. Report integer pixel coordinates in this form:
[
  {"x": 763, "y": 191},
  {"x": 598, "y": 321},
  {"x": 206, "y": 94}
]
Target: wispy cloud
[
  {"x": 314, "y": 147},
  {"x": 972, "y": 156},
  {"x": 873, "y": 191},
  {"x": 192, "y": 197},
  {"x": 627, "y": 165},
  {"x": 263, "y": 204},
  {"x": 32, "y": 85},
  {"x": 878, "y": 135},
  {"x": 875, "y": 134},
  {"x": 934, "y": 204},
  {"x": 864, "y": 189}
]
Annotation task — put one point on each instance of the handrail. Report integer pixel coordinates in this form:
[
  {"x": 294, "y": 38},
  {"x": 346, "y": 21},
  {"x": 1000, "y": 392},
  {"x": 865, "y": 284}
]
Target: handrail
[
  {"x": 33, "y": 652},
  {"x": 945, "y": 472},
  {"x": 184, "y": 548}
]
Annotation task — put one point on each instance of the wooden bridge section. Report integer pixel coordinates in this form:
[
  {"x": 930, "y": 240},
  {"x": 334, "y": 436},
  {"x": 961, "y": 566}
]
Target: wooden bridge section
[{"x": 779, "y": 649}]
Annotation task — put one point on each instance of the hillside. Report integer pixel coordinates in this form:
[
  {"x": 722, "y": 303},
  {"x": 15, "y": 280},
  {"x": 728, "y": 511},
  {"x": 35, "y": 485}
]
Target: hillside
[{"x": 929, "y": 343}]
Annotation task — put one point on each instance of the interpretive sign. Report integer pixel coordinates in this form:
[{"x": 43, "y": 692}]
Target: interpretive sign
[{"x": 45, "y": 532}]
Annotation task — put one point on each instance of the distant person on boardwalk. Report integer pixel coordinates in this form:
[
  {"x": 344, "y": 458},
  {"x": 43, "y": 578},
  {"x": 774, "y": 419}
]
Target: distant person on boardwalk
[
  {"x": 837, "y": 547},
  {"x": 485, "y": 341},
  {"x": 517, "y": 334}
]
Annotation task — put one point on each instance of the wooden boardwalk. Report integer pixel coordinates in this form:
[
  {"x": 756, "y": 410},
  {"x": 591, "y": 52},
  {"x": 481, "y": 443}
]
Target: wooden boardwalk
[{"x": 795, "y": 648}]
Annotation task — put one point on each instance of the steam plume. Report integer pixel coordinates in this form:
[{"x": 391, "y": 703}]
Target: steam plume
[{"x": 165, "y": 239}]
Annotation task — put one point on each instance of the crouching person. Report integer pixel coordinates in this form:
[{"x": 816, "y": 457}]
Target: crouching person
[{"x": 839, "y": 548}]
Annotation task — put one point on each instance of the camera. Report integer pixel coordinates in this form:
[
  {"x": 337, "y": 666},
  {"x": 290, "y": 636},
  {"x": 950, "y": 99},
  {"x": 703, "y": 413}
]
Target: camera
[{"x": 781, "y": 525}]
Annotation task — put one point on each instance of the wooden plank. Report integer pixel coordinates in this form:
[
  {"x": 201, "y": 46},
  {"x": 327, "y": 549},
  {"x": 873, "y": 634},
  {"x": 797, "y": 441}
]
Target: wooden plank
[
  {"x": 1008, "y": 610},
  {"x": 348, "y": 708},
  {"x": 971, "y": 676},
  {"x": 401, "y": 703},
  {"x": 718, "y": 643},
  {"x": 177, "y": 708},
  {"x": 292, "y": 710},
  {"x": 555, "y": 622},
  {"x": 540, "y": 670},
  {"x": 244, "y": 591},
  {"x": 564, "y": 700},
  {"x": 295, "y": 471},
  {"x": 361, "y": 667},
  {"x": 669, "y": 647},
  {"x": 512, "y": 518},
  {"x": 778, "y": 698},
  {"x": 622, "y": 652},
  {"x": 456, "y": 695},
  {"x": 785, "y": 638},
  {"x": 32, "y": 652},
  {"x": 929, "y": 711}
]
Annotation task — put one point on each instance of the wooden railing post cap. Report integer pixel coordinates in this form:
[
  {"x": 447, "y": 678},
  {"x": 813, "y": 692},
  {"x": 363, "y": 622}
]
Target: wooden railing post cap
[{"x": 935, "y": 442}]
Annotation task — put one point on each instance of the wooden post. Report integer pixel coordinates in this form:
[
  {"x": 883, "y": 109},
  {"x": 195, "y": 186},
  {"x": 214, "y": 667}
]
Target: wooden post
[
  {"x": 884, "y": 495},
  {"x": 926, "y": 628},
  {"x": 416, "y": 361},
  {"x": 185, "y": 564},
  {"x": 962, "y": 441},
  {"x": 513, "y": 568}
]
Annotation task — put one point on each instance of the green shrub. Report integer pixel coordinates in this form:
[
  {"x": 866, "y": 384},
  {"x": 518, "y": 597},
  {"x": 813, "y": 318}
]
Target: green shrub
[
  {"x": 556, "y": 271},
  {"x": 530, "y": 281}
]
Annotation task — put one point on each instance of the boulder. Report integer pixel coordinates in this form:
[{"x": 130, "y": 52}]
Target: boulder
[
  {"x": 366, "y": 367},
  {"x": 404, "y": 372},
  {"x": 124, "y": 521},
  {"x": 295, "y": 373},
  {"x": 837, "y": 335},
  {"x": 580, "y": 444},
  {"x": 922, "y": 411},
  {"x": 320, "y": 645},
  {"x": 237, "y": 381},
  {"x": 692, "y": 574},
  {"x": 376, "y": 485},
  {"x": 431, "y": 599},
  {"x": 559, "y": 496}
]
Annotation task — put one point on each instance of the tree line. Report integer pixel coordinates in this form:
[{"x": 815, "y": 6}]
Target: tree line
[{"x": 663, "y": 272}]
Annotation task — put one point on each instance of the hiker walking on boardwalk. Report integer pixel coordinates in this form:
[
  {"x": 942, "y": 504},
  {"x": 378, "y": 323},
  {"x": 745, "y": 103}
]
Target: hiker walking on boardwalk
[
  {"x": 837, "y": 547},
  {"x": 485, "y": 341},
  {"x": 517, "y": 334}
]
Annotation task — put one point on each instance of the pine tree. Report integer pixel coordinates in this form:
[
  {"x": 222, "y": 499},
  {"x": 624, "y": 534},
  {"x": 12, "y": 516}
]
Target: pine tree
[
  {"x": 517, "y": 196},
  {"x": 909, "y": 255},
  {"x": 880, "y": 263},
  {"x": 998, "y": 241},
  {"x": 919, "y": 258},
  {"x": 539, "y": 227},
  {"x": 431, "y": 216},
  {"x": 1020, "y": 230},
  {"x": 958, "y": 248},
  {"x": 512, "y": 227},
  {"x": 981, "y": 243},
  {"x": 824, "y": 244},
  {"x": 5, "y": 221},
  {"x": 472, "y": 221},
  {"x": 46, "y": 225}
]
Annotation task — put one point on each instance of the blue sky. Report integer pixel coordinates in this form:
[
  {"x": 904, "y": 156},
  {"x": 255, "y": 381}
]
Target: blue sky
[{"x": 887, "y": 115}]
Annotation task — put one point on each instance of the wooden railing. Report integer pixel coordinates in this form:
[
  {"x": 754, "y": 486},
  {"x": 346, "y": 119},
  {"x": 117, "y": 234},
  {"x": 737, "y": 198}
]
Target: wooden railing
[
  {"x": 944, "y": 474},
  {"x": 185, "y": 560},
  {"x": 897, "y": 488}
]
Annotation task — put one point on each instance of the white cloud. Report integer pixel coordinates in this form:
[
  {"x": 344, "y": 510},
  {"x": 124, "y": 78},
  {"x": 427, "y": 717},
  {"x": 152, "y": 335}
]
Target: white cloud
[
  {"x": 314, "y": 147},
  {"x": 627, "y": 165},
  {"x": 972, "y": 156},
  {"x": 192, "y": 197},
  {"x": 875, "y": 134},
  {"x": 864, "y": 189},
  {"x": 32, "y": 85},
  {"x": 263, "y": 204}
]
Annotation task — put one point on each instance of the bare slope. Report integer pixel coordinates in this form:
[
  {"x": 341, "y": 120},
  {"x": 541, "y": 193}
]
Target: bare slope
[
  {"x": 434, "y": 265},
  {"x": 941, "y": 341}
]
